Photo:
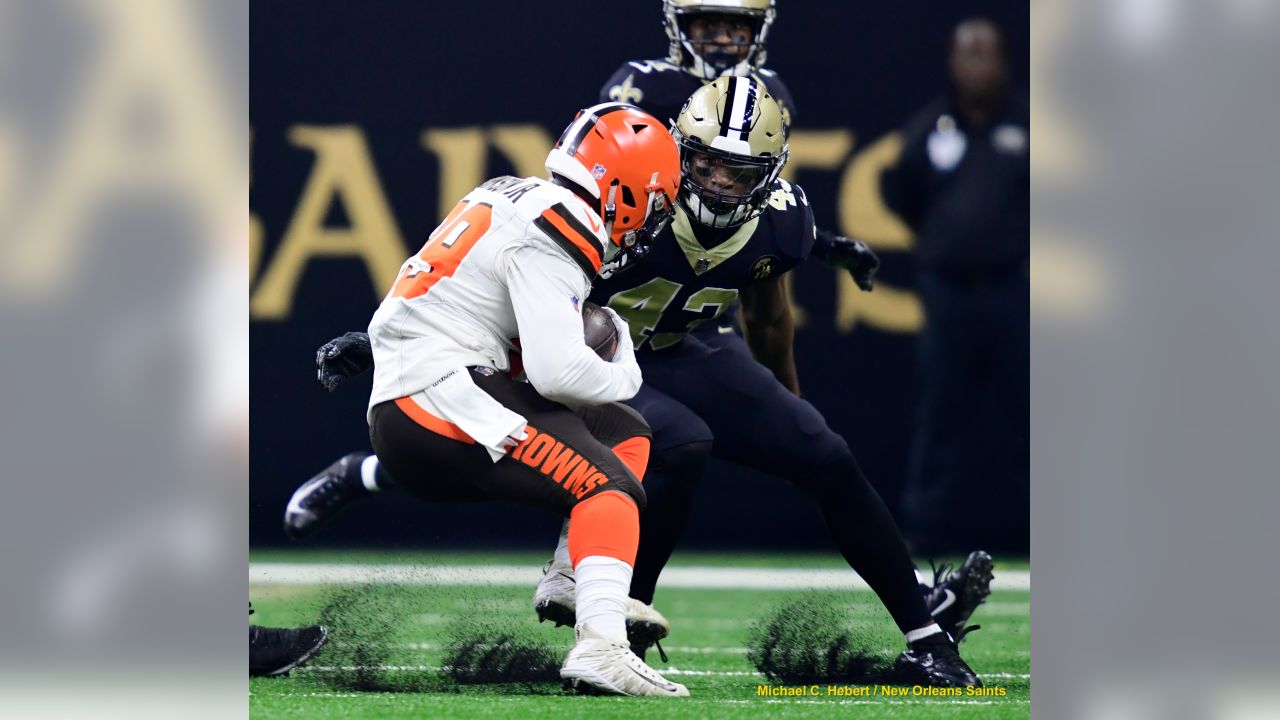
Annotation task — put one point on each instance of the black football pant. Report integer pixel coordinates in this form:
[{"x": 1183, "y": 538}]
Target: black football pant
[
  {"x": 567, "y": 457},
  {"x": 703, "y": 400}
]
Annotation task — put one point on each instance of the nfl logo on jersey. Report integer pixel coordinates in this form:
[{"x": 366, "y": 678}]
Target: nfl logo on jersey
[{"x": 573, "y": 300}]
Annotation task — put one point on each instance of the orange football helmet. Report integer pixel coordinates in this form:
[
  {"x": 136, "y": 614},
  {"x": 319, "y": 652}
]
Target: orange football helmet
[{"x": 625, "y": 163}]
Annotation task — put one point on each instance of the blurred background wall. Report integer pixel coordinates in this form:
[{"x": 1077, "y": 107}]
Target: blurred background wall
[{"x": 370, "y": 119}]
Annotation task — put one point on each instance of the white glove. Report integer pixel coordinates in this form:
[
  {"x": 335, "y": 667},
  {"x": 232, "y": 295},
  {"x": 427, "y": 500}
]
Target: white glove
[{"x": 625, "y": 352}]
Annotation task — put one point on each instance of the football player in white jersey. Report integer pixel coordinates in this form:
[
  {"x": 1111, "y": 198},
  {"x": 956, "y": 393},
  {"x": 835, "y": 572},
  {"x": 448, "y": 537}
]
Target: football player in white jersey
[{"x": 509, "y": 268}]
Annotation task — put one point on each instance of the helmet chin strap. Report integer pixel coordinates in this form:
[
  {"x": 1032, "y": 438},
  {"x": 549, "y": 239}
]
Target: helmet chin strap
[
  {"x": 611, "y": 215},
  {"x": 707, "y": 218},
  {"x": 610, "y": 252},
  {"x": 611, "y": 211}
]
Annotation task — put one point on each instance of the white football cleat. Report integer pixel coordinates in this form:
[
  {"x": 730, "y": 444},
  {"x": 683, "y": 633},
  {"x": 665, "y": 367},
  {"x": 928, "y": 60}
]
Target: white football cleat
[
  {"x": 645, "y": 625},
  {"x": 602, "y": 666},
  {"x": 554, "y": 599}
]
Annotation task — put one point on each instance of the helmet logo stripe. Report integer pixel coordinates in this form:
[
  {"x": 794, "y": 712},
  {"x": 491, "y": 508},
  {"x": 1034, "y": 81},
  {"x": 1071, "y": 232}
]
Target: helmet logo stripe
[
  {"x": 730, "y": 100},
  {"x": 577, "y": 132},
  {"x": 749, "y": 110}
]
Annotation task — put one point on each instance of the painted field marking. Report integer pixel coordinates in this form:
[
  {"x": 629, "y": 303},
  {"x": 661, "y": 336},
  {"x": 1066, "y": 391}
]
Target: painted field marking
[{"x": 689, "y": 577}]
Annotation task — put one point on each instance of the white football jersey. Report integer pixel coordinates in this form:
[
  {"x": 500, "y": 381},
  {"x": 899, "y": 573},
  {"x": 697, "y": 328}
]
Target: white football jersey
[{"x": 513, "y": 261}]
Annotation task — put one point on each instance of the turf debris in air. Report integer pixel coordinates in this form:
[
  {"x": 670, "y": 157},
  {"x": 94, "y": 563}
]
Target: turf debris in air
[
  {"x": 484, "y": 652},
  {"x": 811, "y": 640},
  {"x": 365, "y": 623}
]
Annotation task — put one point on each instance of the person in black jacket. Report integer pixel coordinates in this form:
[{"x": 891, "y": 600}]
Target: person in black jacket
[{"x": 962, "y": 185}]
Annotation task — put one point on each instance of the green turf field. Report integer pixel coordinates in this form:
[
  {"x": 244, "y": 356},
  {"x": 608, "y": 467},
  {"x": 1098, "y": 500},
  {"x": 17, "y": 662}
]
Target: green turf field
[{"x": 393, "y": 638}]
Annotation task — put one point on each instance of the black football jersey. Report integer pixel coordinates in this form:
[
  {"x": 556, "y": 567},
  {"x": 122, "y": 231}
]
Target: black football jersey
[
  {"x": 660, "y": 88},
  {"x": 681, "y": 284}
]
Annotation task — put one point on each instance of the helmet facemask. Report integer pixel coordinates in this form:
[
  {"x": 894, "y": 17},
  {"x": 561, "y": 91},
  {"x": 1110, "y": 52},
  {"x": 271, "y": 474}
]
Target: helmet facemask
[
  {"x": 718, "y": 58},
  {"x": 631, "y": 245},
  {"x": 698, "y": 49},
  {"x": 624, "y": 164},
  {"x": 721, "y": 189}
]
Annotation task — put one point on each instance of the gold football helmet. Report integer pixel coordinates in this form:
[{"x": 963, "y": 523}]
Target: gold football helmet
[
  {"x": 732, "y": 146},
  {"x": 710, "y": 38}
]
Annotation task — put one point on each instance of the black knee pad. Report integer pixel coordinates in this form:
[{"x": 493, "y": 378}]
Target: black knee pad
[
  {"x": 612, "y": 423},
  {"x": 685, "y": 462},
  {"x": 625, "y": 485},
  {"x": 835, "y": 473}
]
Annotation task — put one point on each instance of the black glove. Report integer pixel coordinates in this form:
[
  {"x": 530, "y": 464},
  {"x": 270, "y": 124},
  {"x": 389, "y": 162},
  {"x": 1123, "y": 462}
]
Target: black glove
[
  {"x": 343, "y": 357},
  {"x": 839, "y": 252}
]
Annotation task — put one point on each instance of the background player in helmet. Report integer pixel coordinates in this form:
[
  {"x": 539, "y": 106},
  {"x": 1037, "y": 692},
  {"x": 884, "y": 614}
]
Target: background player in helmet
[
  {"x": 738, "y": 229},
  {"x": 511, "y": 261},
  {"x": 706, "y": 39},
  {"x": 712, "y": 38}
]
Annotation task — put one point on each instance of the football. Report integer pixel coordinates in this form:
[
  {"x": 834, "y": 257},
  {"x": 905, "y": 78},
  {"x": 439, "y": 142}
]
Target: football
[{"x": 598, "y": 330}]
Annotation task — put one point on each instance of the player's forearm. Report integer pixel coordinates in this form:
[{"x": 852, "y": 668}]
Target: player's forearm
[
  {"x": 574, "y": 375},
  {"x": 772, "y": 345}
]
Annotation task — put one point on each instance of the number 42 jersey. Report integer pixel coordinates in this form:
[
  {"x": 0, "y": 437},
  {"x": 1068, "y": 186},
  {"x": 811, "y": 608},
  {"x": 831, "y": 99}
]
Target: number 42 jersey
[{"x": 681, "y": 284}]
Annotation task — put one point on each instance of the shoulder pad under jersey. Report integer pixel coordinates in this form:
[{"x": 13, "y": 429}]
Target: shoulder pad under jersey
[
  {"x": 790, "y": 218},
  {"x": 556, "y": 214},
  {"x": 780, "y": 92},
  {"x": 655, "y": 86}
]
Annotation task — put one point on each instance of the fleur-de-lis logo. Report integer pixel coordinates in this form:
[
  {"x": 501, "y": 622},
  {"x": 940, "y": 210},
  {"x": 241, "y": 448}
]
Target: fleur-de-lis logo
[
  {"x": 764, "y": 267},
  {"x": 627, "y": 92}
]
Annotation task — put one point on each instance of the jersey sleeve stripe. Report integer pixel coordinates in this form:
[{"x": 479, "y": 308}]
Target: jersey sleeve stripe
[
  {"x": 576, "y": 224},
  {"x": 578, "y": 247}
]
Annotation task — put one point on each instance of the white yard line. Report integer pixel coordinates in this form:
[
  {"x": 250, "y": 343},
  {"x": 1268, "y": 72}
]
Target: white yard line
[{"x": 692, "y": 577}]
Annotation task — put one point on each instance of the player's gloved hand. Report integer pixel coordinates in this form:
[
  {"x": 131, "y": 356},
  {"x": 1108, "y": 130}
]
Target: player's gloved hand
[
  {"x": 342, "y": 358},
  {"x": 625, "y": 352},
  {"x": 837, "y": 251}
]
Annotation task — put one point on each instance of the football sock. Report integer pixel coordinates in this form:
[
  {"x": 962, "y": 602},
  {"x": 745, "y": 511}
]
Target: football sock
[
  {"x": 601, "y": 595},
  {"x": 372, "y": 476},
  {"x": 607, "y": 525},
  {"x": 922, "y": 633},
  {"x": 603, "y": 533},
  {"x": 634, "y": 453},
  {"x": 670, "y": 485}
]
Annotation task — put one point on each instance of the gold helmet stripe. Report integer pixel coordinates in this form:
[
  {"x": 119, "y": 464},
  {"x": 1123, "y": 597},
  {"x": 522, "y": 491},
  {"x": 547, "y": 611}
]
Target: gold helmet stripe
[{"x": 740, "y": 105}]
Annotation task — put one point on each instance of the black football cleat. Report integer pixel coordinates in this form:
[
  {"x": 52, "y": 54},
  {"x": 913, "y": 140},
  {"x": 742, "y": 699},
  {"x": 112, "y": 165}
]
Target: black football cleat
[
  {"x": 276, "y": 651},
  {"x": 936, "y": 662},
  {"x": 956, "y": 594},
  {"x": 323, "y": 497}
]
